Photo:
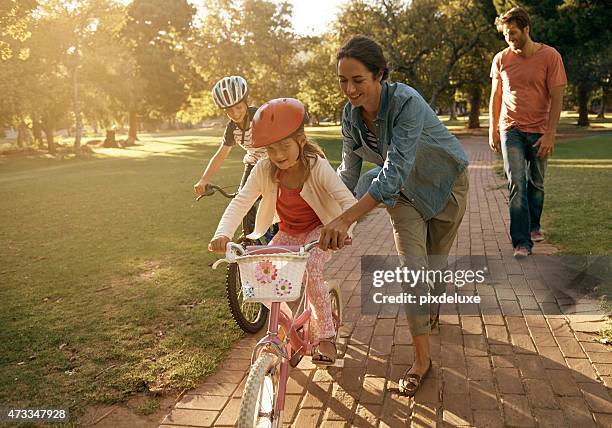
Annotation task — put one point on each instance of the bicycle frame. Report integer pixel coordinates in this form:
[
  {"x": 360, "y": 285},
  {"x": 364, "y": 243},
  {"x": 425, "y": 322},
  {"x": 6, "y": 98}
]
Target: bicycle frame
[
  {"x": 283, "y": 349},
  {"x": 271, "y": 342}
]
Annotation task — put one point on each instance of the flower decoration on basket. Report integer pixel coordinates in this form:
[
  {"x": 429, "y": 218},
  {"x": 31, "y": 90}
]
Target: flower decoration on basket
[
  {"x": 283, "y": 287},
  {"x": 248, "y": 291},
  {"x": 265, "y": 271}
]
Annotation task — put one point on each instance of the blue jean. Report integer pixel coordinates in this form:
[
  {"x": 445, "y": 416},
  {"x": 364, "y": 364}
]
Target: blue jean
[
  {"x": 365, "y": 180},
  {"x": 525, "y": 173}
]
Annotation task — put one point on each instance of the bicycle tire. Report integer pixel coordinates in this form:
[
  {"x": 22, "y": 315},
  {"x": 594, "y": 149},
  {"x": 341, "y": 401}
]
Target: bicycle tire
[
  {"x": 259, "y": 395},
  {"x": 250, "y": 317},
  {"x": 336, "y": 303}
]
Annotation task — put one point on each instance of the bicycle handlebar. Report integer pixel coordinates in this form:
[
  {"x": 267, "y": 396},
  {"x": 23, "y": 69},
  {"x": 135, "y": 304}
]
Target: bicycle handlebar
[
  {"x": 306, "y": 248},
  {"x": 209, "y": 190},
  {"x": 233, "y": 249}
]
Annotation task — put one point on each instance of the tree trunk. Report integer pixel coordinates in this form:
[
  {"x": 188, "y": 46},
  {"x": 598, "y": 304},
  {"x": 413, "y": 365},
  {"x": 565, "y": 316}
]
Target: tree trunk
[
  {"x": 110, "y": 140},
  {"x": 602, "y": 106},
  {"x": 453, "y": 110},
  {"x": 27, "y": 136},
  {"x": 77, "y": 106},
  {"x": 475, "y": 97},
  {"x": 583, "y": 108},
  {"x": 133, "y": 131},
  {"x": 434, "y": 98},
  {"x": 50, "y": 141},
  {"x": 21, "y": 133},
  {"x": 37, "y": 132}
]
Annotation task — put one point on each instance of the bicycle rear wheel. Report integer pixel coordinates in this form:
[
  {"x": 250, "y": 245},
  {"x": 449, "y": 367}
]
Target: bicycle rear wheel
[
  {"x": 260, "y": 394},
  {"x": 250, "y": 316}
]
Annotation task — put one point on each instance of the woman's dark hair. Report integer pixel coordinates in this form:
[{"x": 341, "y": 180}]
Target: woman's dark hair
[{"x": 366, "y": 51}]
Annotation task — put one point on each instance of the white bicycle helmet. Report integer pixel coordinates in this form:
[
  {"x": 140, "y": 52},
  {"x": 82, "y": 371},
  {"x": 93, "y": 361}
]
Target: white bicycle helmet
[{"x": 229, "y": 91}]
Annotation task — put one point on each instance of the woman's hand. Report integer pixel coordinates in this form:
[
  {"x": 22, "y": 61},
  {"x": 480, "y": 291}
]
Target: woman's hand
[
  {"x": 218, "y": 245},
  {"x": 333, "y": 234}
]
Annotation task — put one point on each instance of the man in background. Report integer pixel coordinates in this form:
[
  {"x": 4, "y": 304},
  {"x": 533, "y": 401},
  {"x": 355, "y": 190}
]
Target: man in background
[{"x": 528, "y": 79}]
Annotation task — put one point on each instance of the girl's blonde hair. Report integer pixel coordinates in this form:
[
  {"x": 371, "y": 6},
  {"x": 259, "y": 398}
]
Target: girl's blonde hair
[{"x": 308, "y": 153}]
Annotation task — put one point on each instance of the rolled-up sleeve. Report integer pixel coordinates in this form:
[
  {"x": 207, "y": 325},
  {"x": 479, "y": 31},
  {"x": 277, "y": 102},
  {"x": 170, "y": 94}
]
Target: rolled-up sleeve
[
  {"x": 401, "y": 153},
  {"x": 350, "y": 168}
]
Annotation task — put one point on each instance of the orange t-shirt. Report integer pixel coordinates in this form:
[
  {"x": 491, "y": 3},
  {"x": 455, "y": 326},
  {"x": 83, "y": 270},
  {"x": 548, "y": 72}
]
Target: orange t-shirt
[
  {"x": 296, "y": 216},
  {"x": 526, "y": 85}
]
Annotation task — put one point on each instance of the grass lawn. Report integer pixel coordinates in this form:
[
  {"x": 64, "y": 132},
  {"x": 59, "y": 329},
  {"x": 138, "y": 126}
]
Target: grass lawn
[
  {"x": 105, "y": 284},
  {"x": 105, "y": 281},
  {"x": 578, "y": 205},
  {"x": 567, "y": 124}
]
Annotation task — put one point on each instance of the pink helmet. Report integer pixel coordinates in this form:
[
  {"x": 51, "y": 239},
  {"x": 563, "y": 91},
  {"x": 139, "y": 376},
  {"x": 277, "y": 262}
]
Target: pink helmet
[{"x": 276, "y": 120}]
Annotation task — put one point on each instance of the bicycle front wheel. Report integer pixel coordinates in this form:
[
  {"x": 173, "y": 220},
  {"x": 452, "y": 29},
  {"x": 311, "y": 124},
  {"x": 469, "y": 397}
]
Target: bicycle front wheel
[
  {"x": 250, "y": 316},
  {"x": 260, "y": 393},
  {"x": 335, "y": 298}
]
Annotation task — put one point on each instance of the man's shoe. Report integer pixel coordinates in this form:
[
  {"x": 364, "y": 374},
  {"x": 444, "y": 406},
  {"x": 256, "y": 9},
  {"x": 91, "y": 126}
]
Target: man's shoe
[
  {"x": 521, "y": 252},
  {"x": 537, "y": 236}
]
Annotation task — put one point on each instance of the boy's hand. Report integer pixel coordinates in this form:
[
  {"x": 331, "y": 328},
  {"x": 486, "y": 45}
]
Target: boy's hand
[
  {"x": 218, "y": 245},
  {"x": 199, "y": 186}
]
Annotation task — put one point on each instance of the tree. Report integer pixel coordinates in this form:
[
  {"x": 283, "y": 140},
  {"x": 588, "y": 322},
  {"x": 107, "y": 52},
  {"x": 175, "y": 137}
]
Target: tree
[
  {"x": 251, "y": 38},
  {"x": 159, "y": 75},
  {"x": 78, "y": 22},
  {"x": 425, "y": 40},
  {"x": 471, "y": 74},
  {"x": 319, "y": 89},
  {"x": 47, "y": 83},
  {"x": 15, "y": 21},
  {"x": 408, "y": 33},
  {"x": 15, "y": 30}
]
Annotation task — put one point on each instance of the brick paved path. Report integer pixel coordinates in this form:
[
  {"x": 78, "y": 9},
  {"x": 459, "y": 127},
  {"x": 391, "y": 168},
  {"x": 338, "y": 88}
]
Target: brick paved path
[{"x": 521, "y": 361}]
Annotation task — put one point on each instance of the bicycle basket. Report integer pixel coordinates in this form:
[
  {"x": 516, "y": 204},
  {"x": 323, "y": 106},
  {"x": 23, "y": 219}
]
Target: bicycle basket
[{"x": 272, "y": 277}]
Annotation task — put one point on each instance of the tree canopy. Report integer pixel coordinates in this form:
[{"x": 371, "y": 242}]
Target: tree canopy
[{"x": 105, "y": 63}]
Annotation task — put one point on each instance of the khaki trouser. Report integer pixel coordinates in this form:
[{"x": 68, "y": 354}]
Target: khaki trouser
[{"x": 425, "y": 245}]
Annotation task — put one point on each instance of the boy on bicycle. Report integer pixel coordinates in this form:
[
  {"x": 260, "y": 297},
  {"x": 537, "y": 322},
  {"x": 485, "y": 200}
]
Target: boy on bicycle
[{"x": 230, "y": 95}]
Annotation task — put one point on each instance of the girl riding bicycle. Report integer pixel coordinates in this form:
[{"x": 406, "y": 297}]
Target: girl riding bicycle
[
  {"x": 230, "y": 94},
  {"x": 299, "y": 187}
]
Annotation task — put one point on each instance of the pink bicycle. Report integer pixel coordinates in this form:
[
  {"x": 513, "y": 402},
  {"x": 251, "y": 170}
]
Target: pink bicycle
[{"x": 274, "y": 274}]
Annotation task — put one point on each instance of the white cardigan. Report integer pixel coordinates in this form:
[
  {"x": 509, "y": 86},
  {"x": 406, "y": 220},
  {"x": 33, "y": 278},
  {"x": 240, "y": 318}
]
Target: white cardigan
[{"x": 323, "y": 191}]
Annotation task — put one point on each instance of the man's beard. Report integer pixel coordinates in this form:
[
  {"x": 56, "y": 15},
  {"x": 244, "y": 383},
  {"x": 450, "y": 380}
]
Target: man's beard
[{"x": 519, "y": 45}]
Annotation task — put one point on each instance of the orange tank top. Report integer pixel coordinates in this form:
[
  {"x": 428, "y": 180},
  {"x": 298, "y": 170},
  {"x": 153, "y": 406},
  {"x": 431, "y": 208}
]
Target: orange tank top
[{"x": 296, "y": 216}]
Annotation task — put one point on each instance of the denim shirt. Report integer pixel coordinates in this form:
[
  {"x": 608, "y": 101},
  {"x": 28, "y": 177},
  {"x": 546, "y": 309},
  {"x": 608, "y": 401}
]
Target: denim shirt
[{"x": 420, "y": 158}]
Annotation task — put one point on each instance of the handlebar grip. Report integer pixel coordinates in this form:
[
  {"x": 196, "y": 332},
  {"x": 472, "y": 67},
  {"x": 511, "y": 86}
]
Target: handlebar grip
[
  {"x": 208, "y": 190},
  {"x": 237, "y": 247}
]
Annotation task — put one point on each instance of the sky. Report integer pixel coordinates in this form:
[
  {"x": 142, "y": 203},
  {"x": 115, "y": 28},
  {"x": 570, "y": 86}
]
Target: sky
[{"x": 311, "y": 17}]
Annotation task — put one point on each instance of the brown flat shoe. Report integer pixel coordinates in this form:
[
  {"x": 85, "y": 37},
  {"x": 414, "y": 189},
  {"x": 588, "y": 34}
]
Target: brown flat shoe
[{"x": 410, "y": 382}]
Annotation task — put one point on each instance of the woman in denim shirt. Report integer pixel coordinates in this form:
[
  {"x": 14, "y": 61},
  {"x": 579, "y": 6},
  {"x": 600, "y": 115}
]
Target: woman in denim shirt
[{"x": 422, "y": 179}]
